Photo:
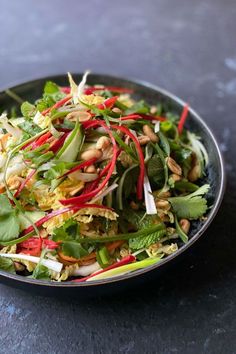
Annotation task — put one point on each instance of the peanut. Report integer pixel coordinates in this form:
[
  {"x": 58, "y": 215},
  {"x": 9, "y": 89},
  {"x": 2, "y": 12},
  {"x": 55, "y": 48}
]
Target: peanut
[
  {"x": 103, "y": 143},
  {"x": 185, "y": 225},
  {"x": 148, "y": 131},
  {"x": 90, "y": 169},
  {"x": 173, "y": 166},
  {"x": 134, "y": 205},
  {"x": 153, "y": 110},
  {"x": 89, "y": 154},
  {"x": 164, "y": 217},
  {"x": 175, "y": 177},
  {"x": 19, "y": 267},
  {"x": 164, "y": 195},
  {"x": 194, "y": 173},
  {"x": 116, "y": 110},
  {"x": 82, "y": 116},
  {"x": 163, "y": 204},
  {"x": 143, "y": 140}
]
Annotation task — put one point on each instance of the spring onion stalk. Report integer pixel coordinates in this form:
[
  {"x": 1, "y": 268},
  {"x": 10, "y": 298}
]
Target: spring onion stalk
[
  {"x": 50, "y": 264},
  {"x": 125, "y": 269},
  {"x": 148, "y": 197}
]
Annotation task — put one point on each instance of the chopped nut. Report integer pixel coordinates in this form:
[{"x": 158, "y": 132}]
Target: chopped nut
[
  {"x": 19, "y": 267},
  {"x": 163, "y": 194},
  {"x": 175, "y": 177},
  {"x": 14, "y": 182},
  {"x": 185, "y": 225},
  {"x": 148, "y": 131},
  {"x": 124, "y": 252},
  {"x": 90, "y": 169},
  {"x": 143, "y": 139},
  {"x": 134, "y": 205},
  {"x": 164, "y": 217},
  {"x": 173, "y": 166},
  {"x": 153, "y": 110},
  {"x": 163, "y": 204},
  {"x": 116, "y": 110},
  {"x": 194, "y": 173},
  {"x": 82, "y": 116},
  {"x": 89, "y": 154},
  {"x": 103, "y": 143}
]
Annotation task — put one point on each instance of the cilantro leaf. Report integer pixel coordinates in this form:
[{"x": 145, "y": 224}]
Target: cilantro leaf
[
  {"x": 139, "y": 107},
  {"x": 28, "y": 110},
  {"x": 51, "y": 95},
  {"x": 30, "y": 128},
  {"x": 7, "y": 265},
  {"x": 9, "y": 221},
  {"x": 41, "y": 272},
  {"x": 69, "y": 235},
  {"x": 191, "y": 206},
  {"x": 9, "y": 227},
  {"x": 6, "y": 206}
]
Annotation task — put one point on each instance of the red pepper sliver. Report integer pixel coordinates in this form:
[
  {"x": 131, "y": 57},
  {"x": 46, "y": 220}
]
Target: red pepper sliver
[
  {"x": 80, "y": 166},
  {"x": 57, "y": 105},
  {"x": 109, "y": 103},
  {"x": 123, "y": 261},
  {"x": 141, "y": 158},
  {"x": 183, "y": 118},
  {"x": 56, "y": 145},
  {"x": 54, "y": 213},
  {"x": 85, "y": 197},
  {"x": 23, "y": 184}
]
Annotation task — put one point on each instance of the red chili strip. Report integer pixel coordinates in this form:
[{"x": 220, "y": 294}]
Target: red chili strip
[
  {"x": 90, "y": 90},
  {"x": 80, "y": 166},
  {"x": 57, "y": 105},
  {"x": 183, "y": 118},
  {"x": 54, "y": 213},
  {"x": 38, "y": 142},
  {"x": 141, "y": 158},
  {"x": 109, "y": 103},
  {"x": 148, "y": 117},
  {"x": 57, "y": 144},
  {"x": 23, "y": 184},
  {"x": 85, "y": 197},
  {"x": 122, "y": 262}
]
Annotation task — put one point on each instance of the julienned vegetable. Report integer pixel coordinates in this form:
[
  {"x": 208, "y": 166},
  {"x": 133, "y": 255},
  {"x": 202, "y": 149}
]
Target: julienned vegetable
[{"x": 94, "y": 184}]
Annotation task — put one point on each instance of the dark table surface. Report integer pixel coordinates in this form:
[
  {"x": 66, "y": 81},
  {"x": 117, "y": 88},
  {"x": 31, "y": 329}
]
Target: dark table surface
[{"x": 189, "y": 48}]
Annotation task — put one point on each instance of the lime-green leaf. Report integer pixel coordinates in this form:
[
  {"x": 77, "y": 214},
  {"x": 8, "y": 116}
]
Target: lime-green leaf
[{"x": 7, "y": 265}]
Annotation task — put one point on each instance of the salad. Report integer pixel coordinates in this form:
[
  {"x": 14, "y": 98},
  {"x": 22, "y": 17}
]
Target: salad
[{"x": 95, "y": 184}]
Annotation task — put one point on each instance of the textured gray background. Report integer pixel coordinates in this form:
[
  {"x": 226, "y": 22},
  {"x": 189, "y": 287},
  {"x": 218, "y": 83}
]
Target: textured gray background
[{"x": 187, "y": 47}]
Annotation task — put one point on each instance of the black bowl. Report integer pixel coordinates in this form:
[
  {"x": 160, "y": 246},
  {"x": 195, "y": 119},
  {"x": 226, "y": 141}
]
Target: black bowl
[{"x": 215, "y": 176}]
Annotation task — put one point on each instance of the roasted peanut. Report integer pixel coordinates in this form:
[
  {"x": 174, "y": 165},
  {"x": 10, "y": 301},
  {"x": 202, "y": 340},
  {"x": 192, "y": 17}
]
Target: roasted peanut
[
  {"x": 90, "y": 169},
  {"x": 124, "y": 252},
  {"x": 163, "y": 194},
  {"x": 19, "y": 267},
  {"x": 103, "y": 143},
  {"x": 163, "y": 204},
  {"x": 175, "y": 177},
  {"x": 116, "y": 110},
  {"x": 153, "y": 110},
  {"x": 164, "y": 217},
  {"x": 185, "y": 225},
  {"x": 148, "y": 131},
  {"x": 89, "y": 154},
  {"x": 143, "y": 139},
  {"x": 82, "y": 116},
  {"x": 14, "y": 182},
  {"x": 194, "y": 173},
  {"x": 173, "y": 166},
  {"x": 134, "y": 205}
]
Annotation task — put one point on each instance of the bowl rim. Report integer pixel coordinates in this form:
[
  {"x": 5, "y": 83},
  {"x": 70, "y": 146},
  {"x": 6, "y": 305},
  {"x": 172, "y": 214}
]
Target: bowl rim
[{"x": 199, "y": 233}]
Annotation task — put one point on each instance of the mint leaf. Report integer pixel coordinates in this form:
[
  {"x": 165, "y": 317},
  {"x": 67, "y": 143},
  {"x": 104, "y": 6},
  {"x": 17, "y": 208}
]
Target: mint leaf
[
  {"x": 6, "y": 206},
  {"x": 9, "y": 227},
  {"x": 30, "y": 128},
  {"x": 7, "y": 265},
  {"x": 28, "y": 110},
  {"x": 146, "y": 241}
]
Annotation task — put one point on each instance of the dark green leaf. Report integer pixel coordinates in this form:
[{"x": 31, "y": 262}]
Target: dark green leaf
[
  {"x": 164, "y": 143},
  {"x": 6, "y": 207},
  {"x": 139, "y": 107},
  {"x": 28, "y": 110},
  {"x": 9, "y": 227},
  {"x": 7, "y": 265}
]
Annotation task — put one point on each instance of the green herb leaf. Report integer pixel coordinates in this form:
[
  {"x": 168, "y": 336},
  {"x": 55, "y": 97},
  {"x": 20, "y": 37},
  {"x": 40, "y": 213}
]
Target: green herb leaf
[
  {"x": 7, "y": 265},
  {"x": 9, "y": 227},
  {"x": 6, "y": 207},
  {"x": 28, "y": 110},
  {"x": 41, "y": 272},
  {"x": 191, "y": 206},
  {"x": 30, "y": 128},
  {"x": 164, "y": 143},
  {"x": 139, "y": 107}
]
